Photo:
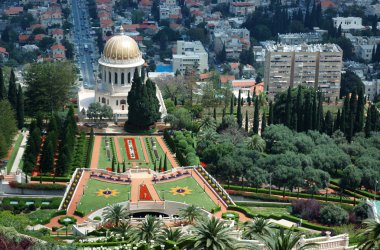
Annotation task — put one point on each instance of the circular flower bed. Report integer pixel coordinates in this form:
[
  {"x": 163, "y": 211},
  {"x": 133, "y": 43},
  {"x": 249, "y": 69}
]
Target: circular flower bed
[{"x": 67, "y": 220}]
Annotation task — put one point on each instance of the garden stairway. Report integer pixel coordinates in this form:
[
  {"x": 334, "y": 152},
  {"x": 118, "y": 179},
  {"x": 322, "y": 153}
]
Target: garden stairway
[{"x": 139, "y": 179}]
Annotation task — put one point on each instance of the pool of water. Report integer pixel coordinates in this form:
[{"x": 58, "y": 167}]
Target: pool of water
[
  {"x": 377, "y": 204},
  {"x": 164, "y": 68}
]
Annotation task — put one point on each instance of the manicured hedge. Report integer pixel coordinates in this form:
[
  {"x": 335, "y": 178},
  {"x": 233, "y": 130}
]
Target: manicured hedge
[
  {"x": 36, "y": 186},
  {"x": 258, "y": 204},
  {"x": 51, "y": 179},
  {"x": 358, "y": 191},
  {"x": 287, "y": 193},
  {"x": 291, "y": 218},
  {"x": 53, "y": 202},
  {"x": 79, "y": 213},
  {"x": 216, "y": 209},
  {"x": 346, "y": 191}
]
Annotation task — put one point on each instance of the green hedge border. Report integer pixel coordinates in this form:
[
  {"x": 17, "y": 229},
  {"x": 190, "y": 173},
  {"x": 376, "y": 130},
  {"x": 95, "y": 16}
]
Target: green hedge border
[
  {"x": 287, "y": 193},
  {"x": 50, "y": 178},
  {"x": 291, "y": 218},
  {"x": 54, "y": 202}
]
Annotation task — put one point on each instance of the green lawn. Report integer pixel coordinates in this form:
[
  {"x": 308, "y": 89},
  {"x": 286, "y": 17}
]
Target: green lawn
[
  {"x": 269, "y": 210},
  {"x": 197, "y": 197},
  {"x": 160, "y": 152},
  {"x": 14, "y": 152},
  {"x": 103, "y": 162},
  {"x": 91, "y": 201},
  {"x": 38, "y": 216}
]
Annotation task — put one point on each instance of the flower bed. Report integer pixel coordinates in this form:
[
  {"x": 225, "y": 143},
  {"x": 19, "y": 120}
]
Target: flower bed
[
  {"x": 70, "y": 193},
  {"x": 130, "y": 147},
  {"x": 144, "y": 193},
  {"x": 36, "y": 186}
]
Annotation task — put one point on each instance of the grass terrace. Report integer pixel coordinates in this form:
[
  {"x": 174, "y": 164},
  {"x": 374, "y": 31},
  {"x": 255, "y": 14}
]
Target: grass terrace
[
  {"x": 160, "y": 151},
  {"x": 98, "y": 194},
  {"x": 197, "y": 196},
  {"x": 103, "y": 162}
]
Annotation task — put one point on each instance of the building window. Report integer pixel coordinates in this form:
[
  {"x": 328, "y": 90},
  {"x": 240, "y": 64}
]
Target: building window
[
  {"x": 115, "y": 78},
  {"x": 117, "y": 102},
  {"x": 104, "y": 76},
  {"x": 99, "y": 98},
  {"x": 109, "y": 77},
  {"x": 103, "y": 100},
  {"x": 129, "y": 77},
  {"x": 122, "y": 78},
  {"x": 108, "y": 101},
  {"x": 123, "y": 102}
]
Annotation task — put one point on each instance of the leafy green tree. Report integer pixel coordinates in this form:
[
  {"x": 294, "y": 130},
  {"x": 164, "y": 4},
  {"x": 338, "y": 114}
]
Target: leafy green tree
[
  {"x": 333, "y": 215},
  {"x": 12, "y": 90},
  {"x": 48, "y": 86},
  {"x": 47, "y": 159},
  {"x": 350, "y": 82},
  {"x": 263, "y": 122},
  {"x": 8, "y": 127},
  {"x": 115, "y": 213},
  {"x": 352, "y": 177},
  {"x": 368, "y": 125}
]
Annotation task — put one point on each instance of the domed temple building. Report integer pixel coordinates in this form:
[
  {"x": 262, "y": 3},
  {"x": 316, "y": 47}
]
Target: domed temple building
[{"x": 121, "y": 57}]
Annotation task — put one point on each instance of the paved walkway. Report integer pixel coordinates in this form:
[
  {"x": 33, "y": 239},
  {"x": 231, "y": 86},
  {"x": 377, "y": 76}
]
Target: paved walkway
[
  {"x": 20, "y": 153},
  {"x": 78, "y": 192},
  {"x": 117, "y": 148},
  {"x": 96, "y": 152},
  {"x": 137, "y": 180},
  {"x": 167, "y": 152}
]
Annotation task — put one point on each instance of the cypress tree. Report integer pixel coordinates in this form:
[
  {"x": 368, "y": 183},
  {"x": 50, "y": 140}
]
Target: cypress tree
[
  {"x": 270, "y": 116},
  {"x": 47, "y": 159},
  {"x": 345, "y": 118},
  {"x": 3, "y": 91},
  {"x": 298, "y": 109},
  {"x": 20, "y": 108},
  {"x": 307, "y": 112},
  {"x": 175, "y": 101},
  {"x": 160, "y": 164},
  {"x": 239, "y": 116},
  {"x": 294, "y": 121},
  {"x": 350, "y": 130},
  {"x": 314, "y": 113},
  {"x": 113, "y": 164},
  {"x": 374, "y": 117},
  {"x": 223, "y": 113},
  {"x": 359, "y": 119},
  {"x": 263, "y": 123},
  {"x": 12, "y": 90},
  {"x": 232, "y": 105},
  {"x": 368, "y": 125},
  {"x": 124, "y": 168},
  {"x": 155, "y": 166},
  {"x": 256, "y": 117},
  {"x": 320, "y": 119},
  {"x": 288, "y": 106},
  {"x": 166, "y": 163},
  {"x": 337, "y": 121},
  {"x": 62, "y": 164},
  {"x": 328, "y": 124},
  {"x": 118, "y": 167},
  {"x": 249, "y": 101},
  {"x": 246, "y": 121},
  {"x": 215, "y": 114}
]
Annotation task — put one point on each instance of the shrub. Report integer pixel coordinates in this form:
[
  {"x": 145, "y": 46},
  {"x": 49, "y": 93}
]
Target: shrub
[
  {"x": 97, "y": 218},
  {"x": 332, "y": 214},
  {"x": 36, "y": 186},
  {"x": 65, "y": 220},
  {"x": 54, "y": 228},
  {"x": 78, "y": 213},
  {"x": 361, "y": 211},
  {"x": 230, "y": 215},
  {"x": 306, "y": 209},
  {"x": 216, "y": 209}
]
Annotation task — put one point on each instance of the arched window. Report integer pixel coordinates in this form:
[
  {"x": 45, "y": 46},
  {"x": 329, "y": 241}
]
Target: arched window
[
  {"x": 123, "y": 102},
  {"x": 115, "y": 78},
  {"x": 104, "y": 76},
  {"x": 103, "y": 100},
  {"x": 109, "y": 77},
  {"x": 122, "y": 78},
  {"x": 117, "y": 102},
  {"x": 129, "y": 77}
]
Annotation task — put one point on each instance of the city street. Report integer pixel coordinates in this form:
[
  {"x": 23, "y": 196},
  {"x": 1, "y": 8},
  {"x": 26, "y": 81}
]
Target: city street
[{"x": 85, "y": 49}]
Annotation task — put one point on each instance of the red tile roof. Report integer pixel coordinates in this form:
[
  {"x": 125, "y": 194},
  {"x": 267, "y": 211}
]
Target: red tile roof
[
  {"x": 58, "y": 46},
  {"x": 3, "y": 50},
  {"x": 243, "y": 83},
  {"x": 57, "y": 32},
  {"x": 39, "y": 37},
  {"x": 14, "y": 10},
  {"x": 226, "y": 78},
  {"x": 23, "y": 37}
]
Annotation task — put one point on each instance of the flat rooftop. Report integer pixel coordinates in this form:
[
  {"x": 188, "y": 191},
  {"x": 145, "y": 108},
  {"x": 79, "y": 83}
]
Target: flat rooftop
[{"x": 329, "y": 47}]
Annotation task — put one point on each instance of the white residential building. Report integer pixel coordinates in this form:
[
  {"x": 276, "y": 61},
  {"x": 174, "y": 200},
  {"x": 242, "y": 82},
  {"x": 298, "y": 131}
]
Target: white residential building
[
  {"x": 348, "y": 23},
  {"x": 189, "y": 54},
  {"x": 234, "y": 40},
  {"x": 371, "y": 88},
  {"x": 299, "y": 38},
  {"x": 316, "y": 65}
]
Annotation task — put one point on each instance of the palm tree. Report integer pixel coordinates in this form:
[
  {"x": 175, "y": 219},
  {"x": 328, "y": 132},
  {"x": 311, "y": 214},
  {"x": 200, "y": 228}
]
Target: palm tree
[
  {"x": 370, "y": 237},
  {"x": 115, "y": 213},
  {"x": 213, "y": 234},
  {"x": 208, "y": 123},
  {"x": 256, "y": 143},
  {"x": 172, "y": 234},
  {"x": 150, "y": 229},
  {"x": 282, "y": 239},
  {"x": 256, "y": 228},
  {"x": 127, "y": 231},
  {"x": 190, "y": 213}
]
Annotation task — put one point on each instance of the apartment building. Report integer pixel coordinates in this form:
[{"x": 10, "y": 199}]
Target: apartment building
[
  {"x": 348, "y": 23},
  {"x": 316, "y": 65},
  {"x": 188, "y": 55},
  {"x": 234, "y": 41}
]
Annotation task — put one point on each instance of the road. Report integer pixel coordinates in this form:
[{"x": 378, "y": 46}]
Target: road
[{"x": 82, "y": 38}]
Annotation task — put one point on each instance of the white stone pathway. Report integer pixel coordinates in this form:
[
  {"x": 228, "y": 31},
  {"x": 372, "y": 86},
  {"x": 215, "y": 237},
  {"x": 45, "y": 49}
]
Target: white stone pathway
[{"x": 20, "y": 153}]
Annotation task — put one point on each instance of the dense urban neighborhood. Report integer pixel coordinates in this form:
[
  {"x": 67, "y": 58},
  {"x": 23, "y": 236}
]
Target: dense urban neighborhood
[{"x": 190, "y": 124}]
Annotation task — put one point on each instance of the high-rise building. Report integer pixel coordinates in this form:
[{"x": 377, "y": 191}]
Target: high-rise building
[{"x": 315, "y": 65}]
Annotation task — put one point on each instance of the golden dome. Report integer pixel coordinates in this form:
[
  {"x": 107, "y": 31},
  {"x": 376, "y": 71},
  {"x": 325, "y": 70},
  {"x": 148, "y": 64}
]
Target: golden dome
[{"x": 121, "y": 47}]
